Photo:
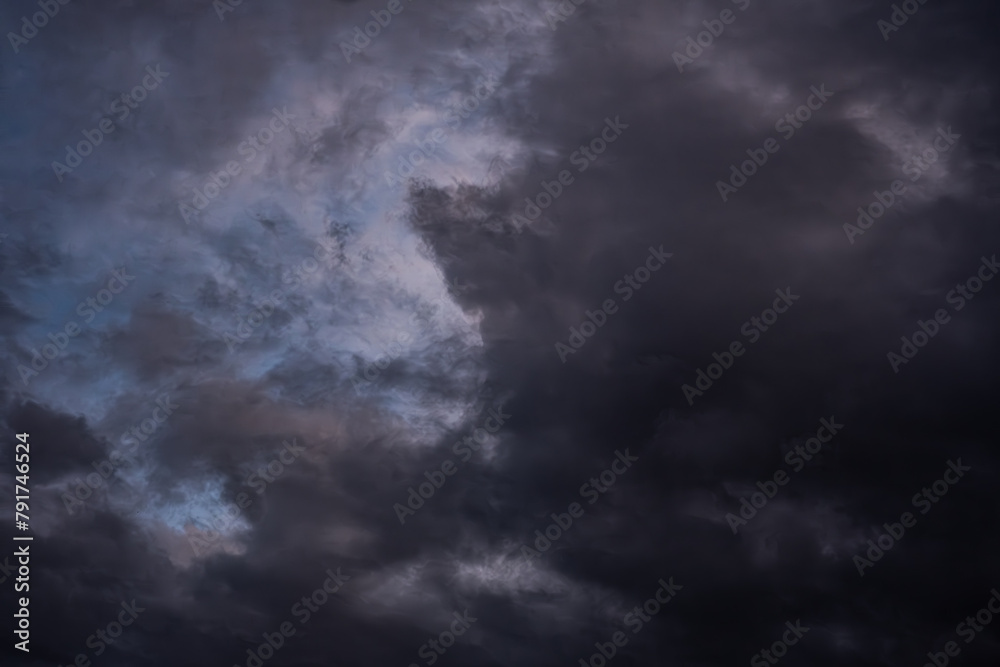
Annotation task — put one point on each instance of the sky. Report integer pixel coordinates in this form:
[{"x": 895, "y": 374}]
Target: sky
[{"x": 499, "y": 333}]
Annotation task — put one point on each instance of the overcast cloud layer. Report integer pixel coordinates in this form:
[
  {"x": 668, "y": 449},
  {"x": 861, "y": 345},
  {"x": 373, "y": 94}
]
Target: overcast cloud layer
[{"x": 321, "y": 307}]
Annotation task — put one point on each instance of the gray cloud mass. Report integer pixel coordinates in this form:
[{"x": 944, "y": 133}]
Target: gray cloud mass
[{"x": 374, "y": 245}]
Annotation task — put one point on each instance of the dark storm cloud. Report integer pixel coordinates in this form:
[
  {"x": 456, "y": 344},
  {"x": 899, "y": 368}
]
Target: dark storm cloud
[{"x": 445, "y": 299}]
